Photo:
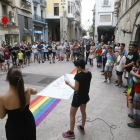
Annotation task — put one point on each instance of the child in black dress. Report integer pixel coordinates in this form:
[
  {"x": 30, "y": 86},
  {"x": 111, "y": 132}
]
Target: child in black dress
[{"x": 80, "y": 97}]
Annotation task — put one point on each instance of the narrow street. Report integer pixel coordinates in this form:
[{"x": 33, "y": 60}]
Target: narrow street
[{"x": 107, "y": 102}]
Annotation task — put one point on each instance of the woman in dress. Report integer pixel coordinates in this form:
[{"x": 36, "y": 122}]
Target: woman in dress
[
  {"x": 82, "y": 51},
  {"x": 15, "y": 102},
  {"x": 2, "y": 63},
  {"x": 92, "y": 53},
  {"x": 99, "y": 56},
  {"x": 80, "y": 98},
  {"x": 117, "y": 48}
]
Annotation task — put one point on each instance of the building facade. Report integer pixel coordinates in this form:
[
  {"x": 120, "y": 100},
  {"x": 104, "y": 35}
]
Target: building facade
[
  {"x": 128, "y": 21},
  {"x": 40, "y": 27},
  {"x": 9, "y": 32},
  {"x": 104, "y": 20},
  {"x": 64, "y": 20},
  {"x": 19, "y": 26}
]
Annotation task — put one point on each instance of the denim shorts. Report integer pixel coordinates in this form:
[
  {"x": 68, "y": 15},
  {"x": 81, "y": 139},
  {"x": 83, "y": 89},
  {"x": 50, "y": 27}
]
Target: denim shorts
[
  {"x": 40, "y": 54},
  {"x": 27, "y": 56},
  {"x": 109, "y": 68}
]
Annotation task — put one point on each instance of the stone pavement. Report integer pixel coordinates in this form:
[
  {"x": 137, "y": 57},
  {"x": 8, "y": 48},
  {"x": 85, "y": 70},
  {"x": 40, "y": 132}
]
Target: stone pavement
[{"x": 107, "y": 102}]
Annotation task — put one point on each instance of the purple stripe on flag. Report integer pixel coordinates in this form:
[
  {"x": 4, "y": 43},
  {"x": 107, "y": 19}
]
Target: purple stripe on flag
[{"x": 46, "y": 113}]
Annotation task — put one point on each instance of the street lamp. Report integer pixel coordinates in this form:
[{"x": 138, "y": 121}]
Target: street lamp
[{"x": 63, "y": 6}]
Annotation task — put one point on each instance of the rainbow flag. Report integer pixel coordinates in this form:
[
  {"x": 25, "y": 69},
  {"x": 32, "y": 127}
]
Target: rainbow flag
[
  {"x": 129, "y": 89},
  {"x": 41, "y": 107},
  {"x": 99, "y": 55},
  {"x": 75, "y": 71}
]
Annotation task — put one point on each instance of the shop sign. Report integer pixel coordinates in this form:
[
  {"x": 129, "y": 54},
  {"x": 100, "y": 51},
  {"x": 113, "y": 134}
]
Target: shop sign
[
  {"x": 38, "y": 32},
  {"x": 4, "y": 20},
  {"x": 13, "y": 32}
]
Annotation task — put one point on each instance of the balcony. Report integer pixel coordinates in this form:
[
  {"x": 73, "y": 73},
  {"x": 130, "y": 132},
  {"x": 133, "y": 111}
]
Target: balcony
[
  {"x": 71, "y": 16},
  {"x": 7, "y": 1},
  {"x": 25, "y": 5},
  {"x": 39, "y": 19},
  {"x": 36, "y": 1},
  {"x": 43, "y": 3},
  {"x": 77, "y": 13}
]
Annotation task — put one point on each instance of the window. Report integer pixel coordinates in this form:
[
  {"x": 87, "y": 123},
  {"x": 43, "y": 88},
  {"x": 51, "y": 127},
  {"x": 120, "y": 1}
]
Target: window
[
  {"x": 41, "y": 13},
  {"x": 105, "y": 18},
  {"x": 68, "y": 9},
  {"x": 26, "y": 22},
  {"x": 56, "y": 9},
  {"x": 34, "y": 10},
  {"x": 4, "y": 11},
  {"x": 106, "y": 2}
]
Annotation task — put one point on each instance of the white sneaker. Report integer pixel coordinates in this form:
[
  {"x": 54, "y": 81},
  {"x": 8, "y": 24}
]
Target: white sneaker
[
  {"x": 104, "y": 81},
  {"x": 108, "y": 81}
]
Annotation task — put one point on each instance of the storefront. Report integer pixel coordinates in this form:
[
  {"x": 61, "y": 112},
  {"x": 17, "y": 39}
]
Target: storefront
[
  {"x": 38, "y": 35},
  {"x": 9, "y": 35}
]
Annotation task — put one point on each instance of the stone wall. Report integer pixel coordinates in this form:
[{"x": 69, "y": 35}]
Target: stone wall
[{"x": 129, "y": 14}]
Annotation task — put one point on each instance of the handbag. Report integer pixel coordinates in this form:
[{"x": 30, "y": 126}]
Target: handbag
[{"x": 136, "y": 79}]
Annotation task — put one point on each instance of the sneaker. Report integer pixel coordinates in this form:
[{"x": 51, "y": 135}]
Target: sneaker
[
  {"x": 133, "y": 125},
  {"x": 82, "y": 130},
  {"x": 53, "y": 62},
  {"x": 104, "y": 81},
  {"x": 108, "y": 81},
  {"x": 130, "y": 116},
  {"x": 68, "y": 135},
  {"x": 117, "y": 85},
  {"x": 120, "y": 86}
]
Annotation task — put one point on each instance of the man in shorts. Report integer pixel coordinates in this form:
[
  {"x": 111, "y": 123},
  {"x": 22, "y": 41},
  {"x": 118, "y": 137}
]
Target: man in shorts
[
  {"x": 35, "y": 51},
  {"x": 7, "y": 56},
  {"x": 40, "y": 52},
  {"x": 111, "y": 59},
  {"x": 50, "y": 52}
]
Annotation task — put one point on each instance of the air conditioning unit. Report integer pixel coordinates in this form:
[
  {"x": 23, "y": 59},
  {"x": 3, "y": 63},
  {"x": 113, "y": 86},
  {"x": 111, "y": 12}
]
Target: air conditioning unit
[
  {"x": 13, "y": 20},
  {"x": 12, "y": 13}
]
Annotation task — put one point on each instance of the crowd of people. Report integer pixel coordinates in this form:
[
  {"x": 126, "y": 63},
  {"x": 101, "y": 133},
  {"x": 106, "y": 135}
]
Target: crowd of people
[{"x": 107, "y": 56}]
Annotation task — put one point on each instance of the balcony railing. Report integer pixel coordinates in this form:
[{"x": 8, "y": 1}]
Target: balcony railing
[
  {"x": 39, "y": 18},
  {"x": 25, "y": 5},
  {"x": 36, "y": 1},
  {"x": 43, "y": 3}
]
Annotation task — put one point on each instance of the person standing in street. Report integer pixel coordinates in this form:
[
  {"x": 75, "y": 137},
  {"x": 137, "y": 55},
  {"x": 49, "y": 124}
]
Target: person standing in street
[
  {"x": 40, "y": 52},
  {"x": 28, "y": 54},
  {"x": 7, "y": 56},
  {"x": 119, "y": 68},
  {"x": 104, "y": 57},
  {"x": 50, "y": 52},
  {"x": 46, "y": 55},
  {"x": 111, "y": 59},
  {"x": 35, "y": 51},
  {"x": 88, "y": 52},
  {"x": 123, "y": 49},
  {"x": 14, "y": 104},
  {"x": 68, "y": 51},
  {"x": 80, "y": 97},
  {"x": 22, "y": 48},
  {"x": 62, "y": 52},
  {"x": 54, "y": 51},
  {"x": 92, "y": 53}
]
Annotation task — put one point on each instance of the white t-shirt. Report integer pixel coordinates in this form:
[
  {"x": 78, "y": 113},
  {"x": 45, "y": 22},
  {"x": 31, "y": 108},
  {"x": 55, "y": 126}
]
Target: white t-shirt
[
  {"x": 117, "y": 48},
  {"x": 65, "y": 44},
  {"x": 35, "y": 50},
  {"x": 62, "y": 49},
  {"x": 53, "y": 47},
  {"x": 120, "y": 61}
]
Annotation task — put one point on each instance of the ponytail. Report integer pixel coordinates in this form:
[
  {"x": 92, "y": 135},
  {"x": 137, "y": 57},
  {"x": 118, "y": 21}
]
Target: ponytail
[{"x": 21, "y": 92}]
